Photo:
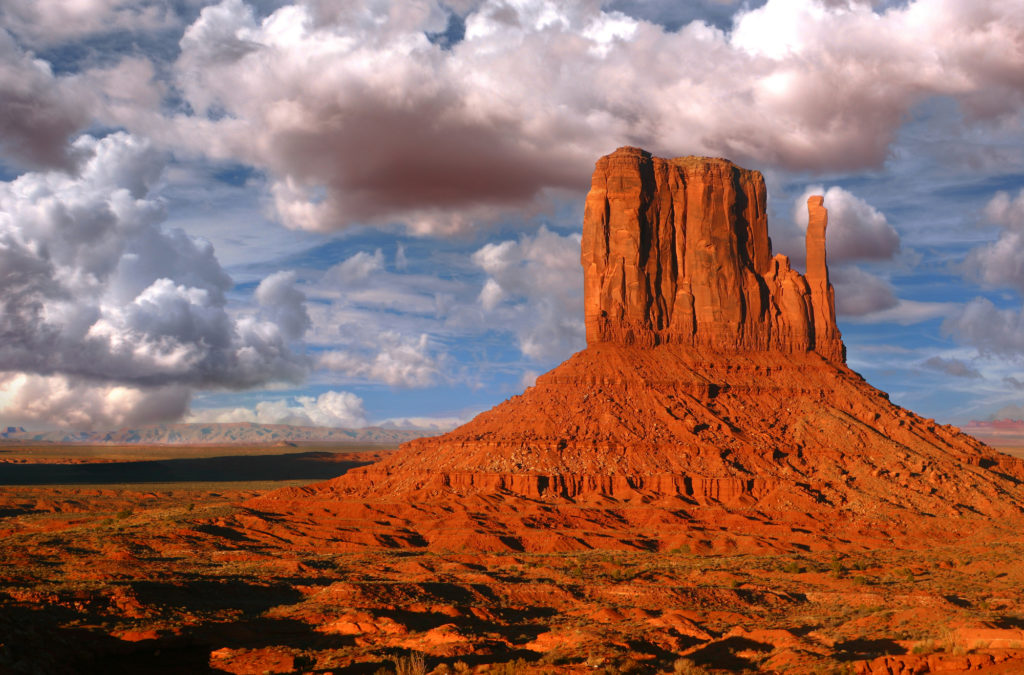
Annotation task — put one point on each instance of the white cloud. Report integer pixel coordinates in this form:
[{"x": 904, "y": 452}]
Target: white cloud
[
  {"x": 434, "y": 424},
  {"x": 60, "y": 401},
  {"x": 857, "y": 231},
  {"x": 356, "y": 269},
  {"x": 338, "y": 409},
  {"x": 359, "y": 118},
  {"x": 535, "y": 288},
  {"x": 991, "y": 330},
  {"x": 52, "y": 21},
  {"x": 284, "y": 303},
  {"x": 1001, "y": 263},
  {"x": 93, "y": 286},
  {"x": 400, "y": 362}
]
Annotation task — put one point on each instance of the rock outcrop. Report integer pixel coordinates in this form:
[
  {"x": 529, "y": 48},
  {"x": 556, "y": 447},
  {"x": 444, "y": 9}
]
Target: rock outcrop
[
  {"x": 712, "y": 404},
  {"x": 677, "y": 252}
]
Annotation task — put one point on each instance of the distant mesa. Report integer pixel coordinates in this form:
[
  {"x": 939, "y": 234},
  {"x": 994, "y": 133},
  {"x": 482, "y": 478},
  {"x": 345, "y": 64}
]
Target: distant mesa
[
  {"x": 712, "y": 409},
  {"x": 221, "y": 433}
]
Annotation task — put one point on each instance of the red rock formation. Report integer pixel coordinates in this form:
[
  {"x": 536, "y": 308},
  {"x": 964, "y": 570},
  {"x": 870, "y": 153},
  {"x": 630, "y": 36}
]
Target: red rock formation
[
  {"x": 712, "y": 404},
  {"x": 677, "y": 252}
]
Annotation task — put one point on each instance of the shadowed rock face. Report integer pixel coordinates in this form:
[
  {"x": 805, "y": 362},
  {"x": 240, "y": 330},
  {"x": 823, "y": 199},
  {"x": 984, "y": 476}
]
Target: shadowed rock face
[
  {"x": 712, "y": 403},
  {"x": 677, "y": 251}
]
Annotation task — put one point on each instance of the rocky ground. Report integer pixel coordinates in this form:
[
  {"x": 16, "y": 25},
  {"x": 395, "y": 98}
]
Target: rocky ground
[{"x": 183, "y": 578}]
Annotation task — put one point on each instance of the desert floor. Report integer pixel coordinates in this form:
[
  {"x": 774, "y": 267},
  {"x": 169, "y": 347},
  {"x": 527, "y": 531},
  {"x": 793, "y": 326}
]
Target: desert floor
[{"x": 104, "y": 569}]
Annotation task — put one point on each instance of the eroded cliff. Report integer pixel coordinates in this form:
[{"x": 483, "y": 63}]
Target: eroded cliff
[{"x": 676, "y": 251}]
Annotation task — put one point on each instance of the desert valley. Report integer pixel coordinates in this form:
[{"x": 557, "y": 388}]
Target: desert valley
[{"x": 707, "y": 487}]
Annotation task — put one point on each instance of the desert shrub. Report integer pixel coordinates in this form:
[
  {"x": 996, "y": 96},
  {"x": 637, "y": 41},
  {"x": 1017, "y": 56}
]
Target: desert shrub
[
  {"x": 682, "y": 666},
  {"x": 461, "y": 667},
  {"x": 923, "y": 647},
  {"x": 837, "y": 569},
  {"x": 792, "y": 567},
  {"x": 627, "y": 666},
  {"x": 124, "y": 513},
  {"x": 860, "y": 580},
  {"x": 411, "y": 664},
  {"x": 443, "y": 669},
  {"x": 510, "y": 668}
]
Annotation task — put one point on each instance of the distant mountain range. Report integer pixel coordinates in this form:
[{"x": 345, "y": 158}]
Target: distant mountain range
[
  {"x": 997, "y": 432},
  {"x": 220, "y": 434}
]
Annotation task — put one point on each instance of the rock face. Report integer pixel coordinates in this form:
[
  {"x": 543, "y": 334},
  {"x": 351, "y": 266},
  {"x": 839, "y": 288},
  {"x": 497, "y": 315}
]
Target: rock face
[
  {"x": 712, "y": 406},
  {"x": 677, "y": 252}
]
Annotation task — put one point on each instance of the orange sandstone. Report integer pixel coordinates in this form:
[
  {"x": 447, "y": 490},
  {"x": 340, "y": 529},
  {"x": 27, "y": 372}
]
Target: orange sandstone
[{"x": 711, "y": 408}]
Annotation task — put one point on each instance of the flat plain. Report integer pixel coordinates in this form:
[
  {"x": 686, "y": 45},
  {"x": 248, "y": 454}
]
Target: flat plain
[{"x": 160, "y": 575}]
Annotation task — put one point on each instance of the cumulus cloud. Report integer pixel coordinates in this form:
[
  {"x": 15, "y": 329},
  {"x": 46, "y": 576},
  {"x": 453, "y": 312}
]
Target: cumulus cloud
[
  {"x": 859, "y": 293},
  {"x": 400, "y": 362},
  {"x": 39, "y": 111},
  {"x": 954, "y": 367},
  {"x": 1001, "y": 263},
  {"x": 94, "y": 289},
  {"x": 52, "y": 21},
  {"x": 992, "y": 330},
  {"x": 359, "y": 117},
  {"x": 285, "y": 304},
  {"x": 535, "y": 287},
  {"x": 60, "y": 401},
  {"x": 339, "y": 409},
  {"x": 856, "y": 231}
]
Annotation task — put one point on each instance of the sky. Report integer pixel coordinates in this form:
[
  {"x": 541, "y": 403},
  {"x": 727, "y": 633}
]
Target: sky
[{"x": 369, "y": 212}]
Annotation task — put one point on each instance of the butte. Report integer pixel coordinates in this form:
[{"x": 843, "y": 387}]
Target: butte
[{"x": 712, "y": 409}]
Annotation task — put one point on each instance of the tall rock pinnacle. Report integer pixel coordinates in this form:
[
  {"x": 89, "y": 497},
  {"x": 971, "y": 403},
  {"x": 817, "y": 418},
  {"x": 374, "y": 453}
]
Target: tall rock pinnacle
[
  {"x": 827, "y": 341},
  {"x": 677, "y": 251}
]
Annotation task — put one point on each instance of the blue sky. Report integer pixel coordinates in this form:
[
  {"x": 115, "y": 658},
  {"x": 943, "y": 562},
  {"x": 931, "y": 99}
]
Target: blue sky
[{"x": 369, "y": 212}]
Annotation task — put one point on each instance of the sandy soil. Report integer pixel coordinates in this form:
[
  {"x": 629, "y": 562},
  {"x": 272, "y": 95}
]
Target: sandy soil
[{"x": 155, "y": 578}]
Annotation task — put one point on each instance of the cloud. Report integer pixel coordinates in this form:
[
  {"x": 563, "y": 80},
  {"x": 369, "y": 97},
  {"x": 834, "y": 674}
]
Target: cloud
[
  {"x": 534, "y": 287},
  {"x": 356, "y": 269},
  {"x": 39, "y": 111},
  {"x": 64, "y": 402},
  {"x": 856, "y": 231},
  {"x": 338, "y": 409},
  {"x": 1014, "y": 382},
  {"x": 954, "y": 367},
  {"x": 96, "y": 291},
  {"x": 990, "y": 329},
  {"x": 53, "y": 21},
  {"x": 434, "y": 424},
  {"x": 859, "y": 293},
  {"x": 907, "y": 312},
  {"x": 284, "y": 303},
  {"x": 1001, "y": 263},
  {"x": 358, "y": 117},
  {"x": 400, "y": 362}
]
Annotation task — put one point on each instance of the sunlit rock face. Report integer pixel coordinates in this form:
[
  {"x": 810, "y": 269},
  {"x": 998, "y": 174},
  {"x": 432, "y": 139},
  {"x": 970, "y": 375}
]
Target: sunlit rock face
[
  {"x": 712, "y": 407},
  {"x": 677, "y": 251}
]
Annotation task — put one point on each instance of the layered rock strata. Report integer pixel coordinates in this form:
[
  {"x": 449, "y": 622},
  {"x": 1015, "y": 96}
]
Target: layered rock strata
[
  {"x": 677, "y": 252},
  {"x": 712, "y": 404}
]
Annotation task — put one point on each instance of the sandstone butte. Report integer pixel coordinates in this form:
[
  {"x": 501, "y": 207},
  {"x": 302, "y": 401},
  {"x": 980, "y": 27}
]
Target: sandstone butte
[{"x": 712, "y": 410}]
